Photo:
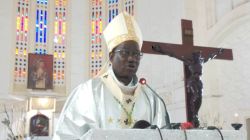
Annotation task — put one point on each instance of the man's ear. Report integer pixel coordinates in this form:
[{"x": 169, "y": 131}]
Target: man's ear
[{"x": 111, "y": 55}]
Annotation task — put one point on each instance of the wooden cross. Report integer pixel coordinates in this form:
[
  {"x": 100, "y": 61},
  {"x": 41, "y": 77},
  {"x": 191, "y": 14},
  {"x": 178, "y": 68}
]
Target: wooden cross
[{"x": 185, "y": 51}]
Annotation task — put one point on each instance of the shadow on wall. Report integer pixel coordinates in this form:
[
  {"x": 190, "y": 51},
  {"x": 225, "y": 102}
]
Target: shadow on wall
[{"x": 248, "y": 128}]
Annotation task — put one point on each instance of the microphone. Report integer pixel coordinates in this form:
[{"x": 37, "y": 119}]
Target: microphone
[
  {"x": 167, "y": 120},
  {"x": 142, "y": 124}
]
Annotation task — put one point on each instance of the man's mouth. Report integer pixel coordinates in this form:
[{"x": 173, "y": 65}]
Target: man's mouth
[{"x": 131, "y": 66}]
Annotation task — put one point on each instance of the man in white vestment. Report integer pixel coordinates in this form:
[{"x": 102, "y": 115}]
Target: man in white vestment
[{"x": 114, "y": 99}]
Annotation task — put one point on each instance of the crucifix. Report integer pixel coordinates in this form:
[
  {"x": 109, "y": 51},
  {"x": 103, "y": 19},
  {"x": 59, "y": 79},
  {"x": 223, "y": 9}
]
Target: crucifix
[{"x": 193, "y": 57}]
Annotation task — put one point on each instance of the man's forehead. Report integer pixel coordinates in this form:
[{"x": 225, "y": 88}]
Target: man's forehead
[{"x": 128, "y": 45}]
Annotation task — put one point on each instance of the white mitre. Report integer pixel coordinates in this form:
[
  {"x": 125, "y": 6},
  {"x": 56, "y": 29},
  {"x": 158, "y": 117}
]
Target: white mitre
[{"x": 122, "y": 28}]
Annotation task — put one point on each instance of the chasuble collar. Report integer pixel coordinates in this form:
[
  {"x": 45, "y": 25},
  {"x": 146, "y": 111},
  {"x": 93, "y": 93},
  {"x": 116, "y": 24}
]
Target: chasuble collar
[{"x": 126, "y": 89}]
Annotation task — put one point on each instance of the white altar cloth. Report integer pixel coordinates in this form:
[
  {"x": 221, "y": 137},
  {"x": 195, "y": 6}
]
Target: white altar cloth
[{"x": 149, "y": 134}]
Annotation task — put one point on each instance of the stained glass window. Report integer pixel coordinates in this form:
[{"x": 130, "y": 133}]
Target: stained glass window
[
  {"x": 129, "y": 6},
  {"x": 32, "y": 36},
  {"x": 21, "y": 48},
  {"x": 59, "y": 42},
  {"x": 96, "y": 52},
  {"x": 41, "y": 27},
  {"x": 113, "y": 9}
]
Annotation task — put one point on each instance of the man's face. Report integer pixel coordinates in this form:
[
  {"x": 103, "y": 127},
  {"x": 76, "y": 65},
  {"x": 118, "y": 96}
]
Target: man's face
[
  {"x": 41, "y": 64},
  {"x": 125, "y": 59}
]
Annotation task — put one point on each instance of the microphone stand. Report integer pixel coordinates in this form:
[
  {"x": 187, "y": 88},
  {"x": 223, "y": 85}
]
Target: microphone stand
[{"x": 167, "y": 120}]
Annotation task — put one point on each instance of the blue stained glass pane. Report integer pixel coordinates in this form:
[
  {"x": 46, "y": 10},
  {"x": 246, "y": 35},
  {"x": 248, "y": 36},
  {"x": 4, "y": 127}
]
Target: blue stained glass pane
[
  {"x": 44, "y": 35},
  {"x": 41, "y": 26},
  {"x": 110, "y": 15},
  {"x": 113, "y": 1},
  {"x": 37, "y": 16},
  {"x": 116, "y": 11},
  {"x": 109, "y": 1},
  {"x": 116, "y": 1},
  {"x": 41, "y": 40},
  {"x": 40, "y": 51},
  {"x": 37, "y": 36},
  {"x": 41, "y": 33},
  {"x": 37, "y": 1},
  {"x": 41, "y": 16},
  {"x": 41, "y": 1},
  {"x": 45, "y": 18}
]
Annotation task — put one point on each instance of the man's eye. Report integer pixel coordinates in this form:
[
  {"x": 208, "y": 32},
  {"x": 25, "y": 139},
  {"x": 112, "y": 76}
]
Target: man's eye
[{"x": 136, "y": 54}]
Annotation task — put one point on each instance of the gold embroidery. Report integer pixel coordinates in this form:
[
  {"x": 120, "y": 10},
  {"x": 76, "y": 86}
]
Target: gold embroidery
[
  {"x": 128, "y": 101},
  {"x": 110, "y": 120},
  {"x": 118, "y": 40},
  {"x": 106, "y": 76},
  {"x": 128, "y": 114},
  {"x": 131, "y": 35}
]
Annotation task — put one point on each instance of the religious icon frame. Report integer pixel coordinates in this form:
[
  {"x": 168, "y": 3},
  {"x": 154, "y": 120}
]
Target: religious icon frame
[
  {"x": 40, "y": 71},
  {"x": 39, "y": 125}
]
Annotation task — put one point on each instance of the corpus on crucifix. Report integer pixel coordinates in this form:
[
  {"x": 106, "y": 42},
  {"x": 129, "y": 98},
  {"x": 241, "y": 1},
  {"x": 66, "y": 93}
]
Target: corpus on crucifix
[{"x": 193, "y": 57}]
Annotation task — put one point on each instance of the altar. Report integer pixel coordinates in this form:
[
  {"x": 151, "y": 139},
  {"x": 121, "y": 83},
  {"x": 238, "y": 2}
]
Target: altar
[{"x": 149, "y": 134}]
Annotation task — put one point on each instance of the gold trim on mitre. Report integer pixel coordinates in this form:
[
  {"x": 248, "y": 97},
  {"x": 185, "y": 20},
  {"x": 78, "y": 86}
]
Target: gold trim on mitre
[{"x": 122, "y": 28}]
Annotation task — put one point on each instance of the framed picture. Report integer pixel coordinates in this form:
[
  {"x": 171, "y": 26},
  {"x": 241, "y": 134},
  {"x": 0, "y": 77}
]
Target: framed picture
[{"x": 40, "y": 71}]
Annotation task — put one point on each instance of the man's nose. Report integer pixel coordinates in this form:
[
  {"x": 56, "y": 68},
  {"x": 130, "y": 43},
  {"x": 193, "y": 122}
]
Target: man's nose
[{"x": 132, "y": 58}]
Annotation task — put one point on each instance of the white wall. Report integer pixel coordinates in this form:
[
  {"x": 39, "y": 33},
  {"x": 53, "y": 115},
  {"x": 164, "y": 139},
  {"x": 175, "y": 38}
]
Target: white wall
[
  {"x": 79, "y": 42},
  {"x": 6, "y": 49},
  {"x": 226, "y": 83},
  {"x": 160, "y": 20},
  {"x": 235, "y": 76}
]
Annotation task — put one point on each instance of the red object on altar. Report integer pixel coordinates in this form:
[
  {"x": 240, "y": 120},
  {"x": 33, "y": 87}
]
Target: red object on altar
[{"x": 186, "y": 125}]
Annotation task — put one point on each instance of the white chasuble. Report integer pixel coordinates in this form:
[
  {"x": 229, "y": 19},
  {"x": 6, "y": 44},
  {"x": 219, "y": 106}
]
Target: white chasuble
[{"x": 101, "y": 104}]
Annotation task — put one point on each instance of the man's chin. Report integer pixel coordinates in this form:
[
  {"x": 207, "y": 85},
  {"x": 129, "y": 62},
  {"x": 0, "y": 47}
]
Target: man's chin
[{"x": 130, "y": 74}]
